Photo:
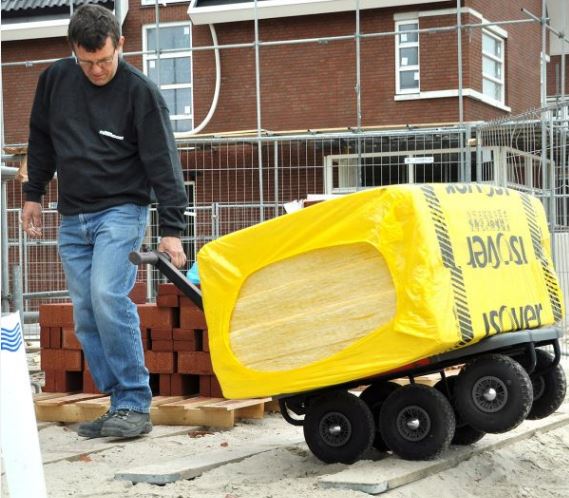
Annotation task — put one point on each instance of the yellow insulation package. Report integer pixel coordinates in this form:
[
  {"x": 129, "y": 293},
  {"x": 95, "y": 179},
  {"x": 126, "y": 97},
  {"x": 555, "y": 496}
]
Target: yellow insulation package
[{"x": 372, "y": 281}]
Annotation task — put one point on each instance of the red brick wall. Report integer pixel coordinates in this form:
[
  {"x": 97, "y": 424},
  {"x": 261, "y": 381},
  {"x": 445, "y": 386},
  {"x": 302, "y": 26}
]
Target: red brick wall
[
  {"x": 19, "y": 82},
  {"x": 312, "y": 86}
]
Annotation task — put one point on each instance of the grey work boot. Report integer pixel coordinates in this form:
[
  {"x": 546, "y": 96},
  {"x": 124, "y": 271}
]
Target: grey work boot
[
  {"x": 93, "y": 428},
  {"x": 127, "y": 423}
]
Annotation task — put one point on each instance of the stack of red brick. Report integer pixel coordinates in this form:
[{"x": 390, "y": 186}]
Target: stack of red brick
[{"x": 174, "y": 336}]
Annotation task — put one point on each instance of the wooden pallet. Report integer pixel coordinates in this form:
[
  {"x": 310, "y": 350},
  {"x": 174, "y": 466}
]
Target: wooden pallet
[{"x": 165, "y": 410}]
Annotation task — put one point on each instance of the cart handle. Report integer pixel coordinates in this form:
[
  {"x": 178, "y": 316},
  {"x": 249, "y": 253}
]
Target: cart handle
[{"x": 161, "y": 261}]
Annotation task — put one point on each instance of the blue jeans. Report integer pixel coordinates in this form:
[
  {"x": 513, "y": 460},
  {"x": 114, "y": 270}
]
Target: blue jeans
[{"x": 94, "y": 249}]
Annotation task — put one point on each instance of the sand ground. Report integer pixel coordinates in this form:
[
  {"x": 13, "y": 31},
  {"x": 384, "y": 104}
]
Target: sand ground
[{"x": 536, "y": 467}]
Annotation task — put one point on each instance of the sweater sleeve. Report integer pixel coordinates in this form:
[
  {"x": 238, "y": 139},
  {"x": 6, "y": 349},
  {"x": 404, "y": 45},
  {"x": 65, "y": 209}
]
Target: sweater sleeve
[
  {"x": 158, "y": 153},
  {"x": 41, "y": 156}
]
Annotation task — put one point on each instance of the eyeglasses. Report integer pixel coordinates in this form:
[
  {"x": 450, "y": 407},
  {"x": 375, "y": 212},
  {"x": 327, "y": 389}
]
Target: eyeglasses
[{"x": 101, "y": 63}]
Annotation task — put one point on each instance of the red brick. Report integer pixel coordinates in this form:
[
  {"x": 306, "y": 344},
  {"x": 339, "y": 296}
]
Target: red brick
[
  {"x": 194, "y": 362},
  {"x": 205, "y": 385},
  {"x": 191, "y": 317},
  {"x": 216, "y": 391},
  {"x": 151, "y": 316},
  {"x": 164, "y": 385},
  {"x": 168, "y": 301},
  {"x": 159, "y": 362},
  {"x": 73, "y": 360},
  {"x": 55, "y": 337},
  {"x": 44, "y": 337},
  {"x": 56, "y": 315},
  {"x": 88, "y": 382},
  {"x": 160, "y": 334},
  {"x": 168, "y": 290},
  {"x": 184, "y": 345},
  {"x": 162, "y": 346},
  {"x": 69, "y": 339},
  {"x": 52, "y": 359},
  {"x": 179, "y": 334},
  {"x": 138, "y": 293}
]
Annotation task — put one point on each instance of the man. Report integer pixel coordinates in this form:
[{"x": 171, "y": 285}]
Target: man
[{"x": 105, "y": 129}]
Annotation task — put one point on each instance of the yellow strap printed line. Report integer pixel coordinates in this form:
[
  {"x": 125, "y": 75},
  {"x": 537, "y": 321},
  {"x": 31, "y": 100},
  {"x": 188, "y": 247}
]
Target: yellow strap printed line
[
  {"x": 461, "y": 308},
  {"x": 536, "y": 236}
]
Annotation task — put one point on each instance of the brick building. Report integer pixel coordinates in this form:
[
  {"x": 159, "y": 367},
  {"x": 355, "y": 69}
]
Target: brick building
[
  {"x": 408, "y": 75},
  {"x": 408, "y": 79}
]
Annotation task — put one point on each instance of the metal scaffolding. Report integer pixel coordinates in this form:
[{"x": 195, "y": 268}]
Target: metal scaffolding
[{"x": 268, "y": 171}]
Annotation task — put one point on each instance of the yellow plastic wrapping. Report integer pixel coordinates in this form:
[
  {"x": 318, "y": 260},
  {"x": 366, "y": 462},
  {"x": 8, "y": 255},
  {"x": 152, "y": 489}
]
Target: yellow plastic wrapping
[{"x": 373, "y": 281}]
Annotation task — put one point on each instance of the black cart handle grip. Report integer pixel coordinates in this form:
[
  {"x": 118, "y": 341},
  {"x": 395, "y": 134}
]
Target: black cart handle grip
[
  {"x": 143, "y": 258},
  {"x": 161, "y": 261}
]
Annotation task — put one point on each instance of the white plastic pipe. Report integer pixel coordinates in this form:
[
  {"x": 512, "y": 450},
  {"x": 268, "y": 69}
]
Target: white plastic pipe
[{"x": 207, "y": 119}]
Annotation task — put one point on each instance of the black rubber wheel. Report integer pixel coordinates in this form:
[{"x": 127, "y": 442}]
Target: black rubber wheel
[
  {"x": 464, "y": 434},
  {"x": 374, "y": 396},
  {"x": 417, "y": 422},
  {"x": 549, "y": 389},
  {"x": 493, "y": 394},
  {"x": 338, "y": 427}
]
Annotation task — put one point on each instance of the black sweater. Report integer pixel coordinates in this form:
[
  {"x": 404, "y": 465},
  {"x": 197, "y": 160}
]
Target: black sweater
[{"x": 110, "y": 145}]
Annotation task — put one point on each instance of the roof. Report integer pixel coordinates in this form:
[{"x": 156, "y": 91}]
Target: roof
[
  {"x": 26, "y": 5},
  {"x": 219, "y": 11},
  {"x": 37, "y": 19}
]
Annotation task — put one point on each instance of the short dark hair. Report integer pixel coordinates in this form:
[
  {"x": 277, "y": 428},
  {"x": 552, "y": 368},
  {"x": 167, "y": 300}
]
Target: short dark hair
[{"x": 91, "y": 25}]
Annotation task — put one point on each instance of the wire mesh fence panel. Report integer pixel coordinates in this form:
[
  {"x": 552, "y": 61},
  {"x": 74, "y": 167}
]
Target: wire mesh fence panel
[
  {"x": 529, "y": 153},
  {"x": 235, "y": 182}
]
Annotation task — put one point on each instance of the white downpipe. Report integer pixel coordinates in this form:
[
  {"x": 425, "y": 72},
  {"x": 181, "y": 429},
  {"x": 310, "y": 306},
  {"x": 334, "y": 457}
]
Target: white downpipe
[{"x": 213, "y": 107}]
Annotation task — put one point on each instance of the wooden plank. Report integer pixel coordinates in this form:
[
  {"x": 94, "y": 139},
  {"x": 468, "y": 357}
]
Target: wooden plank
[
  {"x": 189, "y": 403},
  {"x": 58, "y": 413},
  {"x": 254, "y": 411},
  {"x": 236, "y": 404},
  {"x": 95, "y": 402},
  {"x": 42, "y": 396},
  {"x": 163, "y": 400},
  {"x": 63, "y": 400}
]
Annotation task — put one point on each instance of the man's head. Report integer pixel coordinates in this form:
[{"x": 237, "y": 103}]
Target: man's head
[{"x": 94, "y": 36}]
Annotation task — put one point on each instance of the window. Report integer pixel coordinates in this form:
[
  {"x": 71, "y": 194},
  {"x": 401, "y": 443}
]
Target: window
[
  {"x": 407, "y": 57},
  {"x": 342, "y": 174},
  {"x": 493, "y": 67},
  {"x": 172, "y": 71}
]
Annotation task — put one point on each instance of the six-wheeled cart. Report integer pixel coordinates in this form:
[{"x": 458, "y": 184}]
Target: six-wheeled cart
[{"x": 503, "y": 380}]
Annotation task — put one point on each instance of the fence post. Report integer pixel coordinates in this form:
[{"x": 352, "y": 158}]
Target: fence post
[
  {"x": 276, "y": 176},
  {"x": 18, "y": 296},
  {"x": 4, "y": 247}
]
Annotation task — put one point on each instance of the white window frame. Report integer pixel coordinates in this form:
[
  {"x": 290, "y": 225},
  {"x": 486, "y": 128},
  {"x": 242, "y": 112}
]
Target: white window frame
[
  {"x": 398, "y": 68},
  {"x": 501, "y": 60},
  {"x": 171, "y": 55},
  {"x": 348, "y": 173}
]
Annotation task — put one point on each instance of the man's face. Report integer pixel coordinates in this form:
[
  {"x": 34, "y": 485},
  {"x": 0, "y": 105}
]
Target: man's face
[{"x": 100, "y": 66}]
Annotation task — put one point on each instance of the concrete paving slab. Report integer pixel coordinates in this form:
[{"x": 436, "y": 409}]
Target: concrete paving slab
[
  {"x": 375, "y": 477},
  {"x": 75, "y": 449},
  {"x": 190, "y": 466}
]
